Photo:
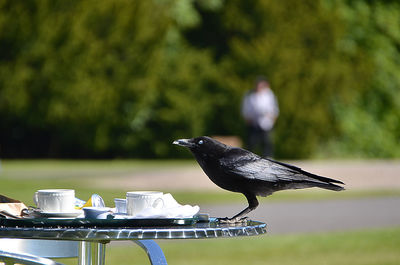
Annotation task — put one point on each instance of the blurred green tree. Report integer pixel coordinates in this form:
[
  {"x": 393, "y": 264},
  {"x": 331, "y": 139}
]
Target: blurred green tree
[
  {"x": 369, "y": 120},
  {"x": 99, "y": 80},
  {"x": 124, "y": 78},
  {"x": 332, "y": 64}
]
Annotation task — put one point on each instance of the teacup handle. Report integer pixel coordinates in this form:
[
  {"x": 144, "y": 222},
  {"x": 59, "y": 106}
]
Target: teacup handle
[
  {"x": 157, "y": 203},
  {"x": 35, "y": 199}
]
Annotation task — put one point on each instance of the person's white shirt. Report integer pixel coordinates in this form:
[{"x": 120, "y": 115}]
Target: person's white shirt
[{"x": 261, "y": 108}]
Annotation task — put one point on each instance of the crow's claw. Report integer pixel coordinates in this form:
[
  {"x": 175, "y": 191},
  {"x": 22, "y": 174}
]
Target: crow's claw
[{"x": 227, "y": 220}]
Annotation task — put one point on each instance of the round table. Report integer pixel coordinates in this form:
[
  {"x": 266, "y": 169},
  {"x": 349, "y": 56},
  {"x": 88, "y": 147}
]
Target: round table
[{"x": 93, "y": 240}]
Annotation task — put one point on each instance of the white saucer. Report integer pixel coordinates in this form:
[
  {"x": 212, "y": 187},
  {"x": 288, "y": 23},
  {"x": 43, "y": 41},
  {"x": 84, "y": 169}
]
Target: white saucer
[{"x": 71, "y": 214}]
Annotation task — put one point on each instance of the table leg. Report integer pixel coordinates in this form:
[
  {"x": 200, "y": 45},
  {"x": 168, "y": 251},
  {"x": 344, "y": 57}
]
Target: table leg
[
  {"x": 92, "y": 253},
  {"x": 153, "y": 250}
]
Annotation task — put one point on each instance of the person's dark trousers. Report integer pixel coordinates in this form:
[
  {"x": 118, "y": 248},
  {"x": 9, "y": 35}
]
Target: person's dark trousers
[{"x": 259, "y": 141}]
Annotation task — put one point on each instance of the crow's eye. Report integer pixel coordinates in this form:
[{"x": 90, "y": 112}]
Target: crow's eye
[{"x": 200, "y": 142}]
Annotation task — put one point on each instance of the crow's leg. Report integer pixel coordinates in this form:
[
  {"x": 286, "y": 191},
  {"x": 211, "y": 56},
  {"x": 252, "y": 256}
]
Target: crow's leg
[{"x": 253, "y": 203}]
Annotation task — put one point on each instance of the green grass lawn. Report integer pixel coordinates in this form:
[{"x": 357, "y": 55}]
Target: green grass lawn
[{"x": 371, "y": 247}]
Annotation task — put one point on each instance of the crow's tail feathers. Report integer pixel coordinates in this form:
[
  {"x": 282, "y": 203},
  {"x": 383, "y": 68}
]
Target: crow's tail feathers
[
  {"x": 320, "y": 181},
  {"x": 324, "y": 182},
  {"x": 329, "y": 186}
]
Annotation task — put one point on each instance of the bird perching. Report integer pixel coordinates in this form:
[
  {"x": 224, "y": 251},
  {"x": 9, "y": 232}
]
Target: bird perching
[{"x": 238, "y": 170}]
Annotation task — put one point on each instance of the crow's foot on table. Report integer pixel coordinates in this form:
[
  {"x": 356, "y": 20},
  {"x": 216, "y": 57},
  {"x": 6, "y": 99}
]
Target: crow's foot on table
[{"x": 227, "y": 220}]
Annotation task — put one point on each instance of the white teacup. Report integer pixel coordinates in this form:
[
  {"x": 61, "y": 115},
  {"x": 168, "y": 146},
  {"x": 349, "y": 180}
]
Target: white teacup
[
  {"x": 137, "y": 201},
  {"x": 55, "y": 200}
]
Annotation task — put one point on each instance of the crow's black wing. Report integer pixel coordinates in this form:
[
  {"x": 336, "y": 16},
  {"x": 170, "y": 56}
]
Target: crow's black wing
[
  {"x": 299, "y": 170},
  {"x": 248, "y": 165}
]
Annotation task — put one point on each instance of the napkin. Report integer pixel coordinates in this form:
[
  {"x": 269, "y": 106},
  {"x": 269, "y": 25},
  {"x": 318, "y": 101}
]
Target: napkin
[
  {"x": 14, "y": 209},
  {"x": 11, "y": 206},
  {"x": 171, "y": 209}
]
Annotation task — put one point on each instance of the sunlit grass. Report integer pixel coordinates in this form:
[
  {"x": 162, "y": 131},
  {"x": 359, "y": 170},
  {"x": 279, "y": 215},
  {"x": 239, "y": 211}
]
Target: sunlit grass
[
  {"x": 83, "y": 168},
  {"x": 372, "y": 247}
]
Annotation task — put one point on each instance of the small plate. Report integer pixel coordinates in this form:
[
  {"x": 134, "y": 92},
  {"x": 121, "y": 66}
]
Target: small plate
[{"x": 58, "y": 215}]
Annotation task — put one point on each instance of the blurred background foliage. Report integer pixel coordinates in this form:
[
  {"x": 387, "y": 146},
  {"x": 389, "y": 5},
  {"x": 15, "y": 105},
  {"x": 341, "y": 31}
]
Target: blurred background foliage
[{"x": 89, "y": 79}]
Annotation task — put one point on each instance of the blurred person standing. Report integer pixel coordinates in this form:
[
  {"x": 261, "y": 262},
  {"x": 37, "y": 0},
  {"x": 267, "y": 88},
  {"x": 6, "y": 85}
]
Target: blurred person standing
[{"x": 260, "y": 110}]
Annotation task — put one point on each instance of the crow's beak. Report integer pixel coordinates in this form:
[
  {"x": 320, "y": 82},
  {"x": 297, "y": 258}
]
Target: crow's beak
[{"x": 183, "y": 142}]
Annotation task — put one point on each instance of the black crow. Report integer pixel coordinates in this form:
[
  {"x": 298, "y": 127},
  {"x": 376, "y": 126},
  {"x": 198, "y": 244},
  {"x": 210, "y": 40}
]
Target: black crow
[{"x": 239, "y": 170}]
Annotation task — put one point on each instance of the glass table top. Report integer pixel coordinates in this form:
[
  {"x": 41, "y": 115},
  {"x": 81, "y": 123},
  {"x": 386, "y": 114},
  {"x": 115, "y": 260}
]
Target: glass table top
[{"x": 205, "y": 229}]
